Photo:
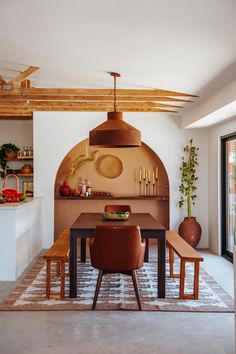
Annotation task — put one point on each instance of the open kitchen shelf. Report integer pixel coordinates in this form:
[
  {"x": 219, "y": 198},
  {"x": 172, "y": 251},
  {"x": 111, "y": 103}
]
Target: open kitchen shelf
[
  {"x": 19, "y": 158},
  {"x": 156, "y": 197}
]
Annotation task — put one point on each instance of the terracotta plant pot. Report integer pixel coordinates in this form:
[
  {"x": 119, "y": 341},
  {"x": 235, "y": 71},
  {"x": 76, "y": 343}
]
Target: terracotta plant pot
[
  {"x": 190, "y": 230},
  {"x": 65, "y": 189},
  {"x": 11, "y": 154}
]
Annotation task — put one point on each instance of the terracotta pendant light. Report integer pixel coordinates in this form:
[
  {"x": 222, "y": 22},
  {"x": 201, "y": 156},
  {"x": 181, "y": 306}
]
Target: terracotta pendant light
[{"x": 115, "y": 132}]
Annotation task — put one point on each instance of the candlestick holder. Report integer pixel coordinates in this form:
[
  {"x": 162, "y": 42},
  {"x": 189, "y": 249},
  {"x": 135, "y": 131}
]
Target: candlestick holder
[
  {"x": 144, "y": 186},
  {"x": 149, "y": 188},
  {"x": 156, "y": 184}
]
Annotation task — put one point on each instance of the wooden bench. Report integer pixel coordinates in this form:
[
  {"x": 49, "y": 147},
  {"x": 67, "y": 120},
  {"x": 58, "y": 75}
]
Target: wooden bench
[
  {"x": 58, "y": 252},
  {"x": 187, "y": 254}
]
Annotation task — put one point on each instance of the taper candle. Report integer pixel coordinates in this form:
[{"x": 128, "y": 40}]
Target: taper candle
[
  {"x": 144, "y": 173},
  {"x": 156, "y": 172},
  {"x": 140, "y": 175},
  {"x": 149, "y": 176},
  {"x": 153, "y": 178}
]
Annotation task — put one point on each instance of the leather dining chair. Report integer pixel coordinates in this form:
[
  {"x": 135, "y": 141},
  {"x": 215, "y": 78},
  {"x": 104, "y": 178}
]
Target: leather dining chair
[
  {"x": 123, "y": 208},
  {"x": 114, "y": 207},
  {"x": 117, "y": 249}
]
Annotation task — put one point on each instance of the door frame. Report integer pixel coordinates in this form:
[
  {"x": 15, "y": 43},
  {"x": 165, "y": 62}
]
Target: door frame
[{"x": 224, "y": 176}]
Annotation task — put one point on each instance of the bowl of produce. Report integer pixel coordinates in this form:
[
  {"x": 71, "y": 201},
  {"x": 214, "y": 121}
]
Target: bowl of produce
[
  {"x": 11, "y": 195},
  {"x": 115, "y": 215}
]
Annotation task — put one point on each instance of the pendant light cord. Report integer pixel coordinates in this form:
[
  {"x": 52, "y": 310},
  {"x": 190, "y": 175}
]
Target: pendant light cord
[
  {"x": 115, "y": 93},
  {"x": 115, "y": 75}
]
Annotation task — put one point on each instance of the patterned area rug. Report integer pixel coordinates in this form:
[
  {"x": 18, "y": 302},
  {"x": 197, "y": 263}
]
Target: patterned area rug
[{"x": 117, "y": 292}]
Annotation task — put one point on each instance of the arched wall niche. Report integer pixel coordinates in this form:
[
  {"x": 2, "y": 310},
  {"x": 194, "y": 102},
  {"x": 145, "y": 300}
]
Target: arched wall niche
[{"x": 125, "y": 188}]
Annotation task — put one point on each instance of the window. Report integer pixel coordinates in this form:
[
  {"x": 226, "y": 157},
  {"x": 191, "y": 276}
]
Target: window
[{"x": 228, "y": 195}]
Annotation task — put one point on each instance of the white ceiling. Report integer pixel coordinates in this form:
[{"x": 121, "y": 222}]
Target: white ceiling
[{"x": 182, "y": 45}]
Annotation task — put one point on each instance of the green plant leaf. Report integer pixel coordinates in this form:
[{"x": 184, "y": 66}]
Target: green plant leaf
[{"x": 188, "y": 176}]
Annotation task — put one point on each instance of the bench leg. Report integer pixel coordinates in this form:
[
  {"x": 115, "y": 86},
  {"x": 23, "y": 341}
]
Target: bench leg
[
  {"x": 171, "y": 261},
  {"x": 193, "y": 296},
  {"x": 62, "y": 293},
  {"x": 182, "y": 279},
  {"x": 48, "y": 278},
  {"x": 196, "y": 280}
]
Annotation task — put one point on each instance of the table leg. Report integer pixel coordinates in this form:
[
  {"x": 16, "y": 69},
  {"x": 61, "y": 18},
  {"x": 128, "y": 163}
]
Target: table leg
[
  {"x": 83, "y": 250},
  {"x": 146, "y": 254},
  {"x": 73, "y": 264},
  {"x": 161, "y": 264}
]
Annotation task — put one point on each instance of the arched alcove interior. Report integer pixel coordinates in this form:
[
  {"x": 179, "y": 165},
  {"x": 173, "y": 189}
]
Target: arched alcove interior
[{"x": 117, "y": 171}]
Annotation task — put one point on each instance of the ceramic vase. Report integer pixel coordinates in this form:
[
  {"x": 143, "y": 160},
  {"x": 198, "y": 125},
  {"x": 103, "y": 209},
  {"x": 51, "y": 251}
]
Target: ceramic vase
[
  {"x": 65, "y": 189},
  {"x": 190, "y": 230}
]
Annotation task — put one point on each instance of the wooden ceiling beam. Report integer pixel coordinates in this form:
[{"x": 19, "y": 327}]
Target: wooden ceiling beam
[
  {"x": 89, "y": 109},
  {"x": 23, "y": 75},
  {"x": 28, "y": 111},
  {"x": 25, "y": 84},
  {"x": 20, "y": 102},
  {"x": 89, "y": 92},
  {"x": 2, "y": 81},
  {"x": 15, "y": 113},
  {"x": 17, "y": 117},
  {"x": 88, "y": 98},
  {"x": 78, "y": 106}
]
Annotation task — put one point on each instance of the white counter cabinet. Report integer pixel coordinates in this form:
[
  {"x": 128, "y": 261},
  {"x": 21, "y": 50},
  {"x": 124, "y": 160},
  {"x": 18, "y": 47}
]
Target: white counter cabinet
[{"x": 20, "y": 236}]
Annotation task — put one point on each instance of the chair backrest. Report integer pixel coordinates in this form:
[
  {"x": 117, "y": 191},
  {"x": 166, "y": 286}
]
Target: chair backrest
[
  {"x": 117, "y": 248},
  {"x": 123, "y": 208}
]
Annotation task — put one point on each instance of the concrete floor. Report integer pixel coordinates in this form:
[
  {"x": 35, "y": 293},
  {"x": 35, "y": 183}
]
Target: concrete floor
[{"x": 122, "y": 331}]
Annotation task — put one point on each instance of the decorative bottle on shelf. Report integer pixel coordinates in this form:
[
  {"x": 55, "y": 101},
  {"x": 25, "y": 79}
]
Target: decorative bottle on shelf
[
  {"x": 82, "y": 186},
  {"x": 25, "y": 151},
  {"x": 88, "y": 188},
  {"x": 31, "y": 151}
]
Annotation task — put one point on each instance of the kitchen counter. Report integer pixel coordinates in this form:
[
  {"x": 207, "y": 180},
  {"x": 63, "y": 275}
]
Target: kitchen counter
[
  {"x": 25, "y": 203},
  {"x": 20, "y": 236}
]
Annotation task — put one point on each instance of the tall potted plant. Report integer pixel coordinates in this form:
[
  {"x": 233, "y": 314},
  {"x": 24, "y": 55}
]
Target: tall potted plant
[{"x": 189, "y": 229}]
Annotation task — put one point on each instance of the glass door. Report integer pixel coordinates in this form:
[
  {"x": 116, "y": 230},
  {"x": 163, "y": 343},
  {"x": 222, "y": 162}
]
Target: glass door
[{"x": 228, "y": 195}]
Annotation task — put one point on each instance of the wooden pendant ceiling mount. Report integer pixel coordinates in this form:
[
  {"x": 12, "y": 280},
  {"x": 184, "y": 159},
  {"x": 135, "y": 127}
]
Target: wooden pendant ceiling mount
[
  {"x": 115, "y": 132},
  {"x": 18, "y": 99}
]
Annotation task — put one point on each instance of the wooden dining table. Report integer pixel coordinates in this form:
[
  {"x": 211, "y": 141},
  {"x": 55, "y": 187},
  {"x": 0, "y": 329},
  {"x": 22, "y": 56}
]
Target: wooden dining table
[{"x": 85, "y": 225}]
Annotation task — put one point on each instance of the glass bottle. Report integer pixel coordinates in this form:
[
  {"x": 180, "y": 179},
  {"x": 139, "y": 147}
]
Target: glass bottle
[
  {"x": 88, "y": 188},
  {"x": 31, "y": 151},
  {"x": 24, "y": 151},
  {"x": 82, "y": 186}
]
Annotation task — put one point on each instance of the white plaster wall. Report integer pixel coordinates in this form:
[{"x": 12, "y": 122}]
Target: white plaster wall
[
  {"x": 18, "y": 132},
  {"x": 55, "y": 133},
  {"x": 215, "y": 134},
  {"x": 220, "y": 99}
]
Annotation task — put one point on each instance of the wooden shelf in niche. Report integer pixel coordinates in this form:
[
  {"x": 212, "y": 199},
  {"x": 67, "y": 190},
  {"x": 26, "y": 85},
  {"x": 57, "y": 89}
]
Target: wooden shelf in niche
[{"x": 114, "y": 198}]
